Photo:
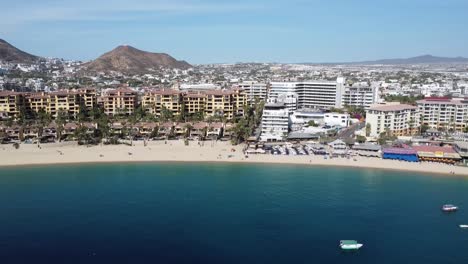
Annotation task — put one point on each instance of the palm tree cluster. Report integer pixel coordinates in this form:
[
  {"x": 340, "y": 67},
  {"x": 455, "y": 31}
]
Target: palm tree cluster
[{"x": 245, "y": 125}]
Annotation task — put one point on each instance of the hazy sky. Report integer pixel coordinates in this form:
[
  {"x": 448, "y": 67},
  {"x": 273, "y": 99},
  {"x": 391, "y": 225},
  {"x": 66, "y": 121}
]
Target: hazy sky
[{"x": 206, "y": 31}]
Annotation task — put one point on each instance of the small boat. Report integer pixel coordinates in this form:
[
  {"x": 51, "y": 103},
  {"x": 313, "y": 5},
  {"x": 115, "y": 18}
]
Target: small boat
[
  {"x": 449, "y": 208},
  {"x": 350, "y": 245},
  {"x": 463, "y": 226}
]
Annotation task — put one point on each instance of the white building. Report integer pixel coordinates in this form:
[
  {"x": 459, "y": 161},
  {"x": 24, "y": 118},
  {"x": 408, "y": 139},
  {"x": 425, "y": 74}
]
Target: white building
[
  {"x": 444, "y": 114},
  {"x": 337, "y": 119},
  {"x": 312, "y": 94},
  {"x": 398, "y": 119},
  {"x": 275, "y": 122},
  {"x": 198, "y": 87},
  {"x": 254, "y": 90},
  {"x": 299, "y": 119},
  {"x": 360, "y": 96}
]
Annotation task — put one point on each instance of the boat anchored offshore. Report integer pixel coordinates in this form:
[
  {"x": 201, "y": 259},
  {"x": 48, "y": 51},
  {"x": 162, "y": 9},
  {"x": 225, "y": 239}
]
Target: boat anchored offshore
[
  {"x": 449, "y": 208},
  {"x": 464, "y": 226},
  {"x": 350, "y": 245}
]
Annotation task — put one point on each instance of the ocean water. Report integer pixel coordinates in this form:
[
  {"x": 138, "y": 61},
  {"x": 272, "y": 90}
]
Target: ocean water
[{"x": 224, "y": 213}]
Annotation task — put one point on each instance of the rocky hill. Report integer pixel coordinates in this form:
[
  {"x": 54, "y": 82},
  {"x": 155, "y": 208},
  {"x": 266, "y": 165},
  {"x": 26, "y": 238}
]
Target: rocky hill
[
  {"x": 127, "y": 59},
  {"x": 10, "y": 53}
]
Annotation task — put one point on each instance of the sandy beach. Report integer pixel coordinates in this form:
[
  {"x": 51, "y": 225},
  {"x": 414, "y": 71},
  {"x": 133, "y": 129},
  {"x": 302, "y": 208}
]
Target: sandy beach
[{"x": 70, "y": 152}]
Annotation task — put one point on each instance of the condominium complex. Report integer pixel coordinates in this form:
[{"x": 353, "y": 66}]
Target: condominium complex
[
  {"x": 88, "y": 97},
  {"x": 275, "y": 122},
  {"x": 67, "y": 101},
  {"x": 444, "y": 114},
  {"x": 154, "y": 101},
  {"x": 360, "y": 96},
  {"x": 226, "y": 103},
  {"x": 120, "y": 101},
  {"x": 398, "y": 119},
  {"x": 10, "y": 103},
  {"x": 312, "y": 94},
  {"x": 254, "y": 90}
]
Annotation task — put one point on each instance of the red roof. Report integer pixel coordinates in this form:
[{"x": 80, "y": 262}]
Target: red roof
[
  {"x": 393, "y": 107},
  {"x": 434, "y": 149}
]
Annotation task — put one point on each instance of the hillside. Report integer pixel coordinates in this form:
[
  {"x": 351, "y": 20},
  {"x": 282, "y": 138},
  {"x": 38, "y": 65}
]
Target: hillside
[
  {"x": 127, "y": 59},
  {"x": 10, "y": 53}
]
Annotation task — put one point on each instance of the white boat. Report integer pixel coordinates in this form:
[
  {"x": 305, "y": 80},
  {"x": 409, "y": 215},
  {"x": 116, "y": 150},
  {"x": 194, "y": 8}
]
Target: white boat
[
  {"x": 350, "y": 245},
  {"x": 463, "y": 226},
  {"x": 449, "y": 208}
]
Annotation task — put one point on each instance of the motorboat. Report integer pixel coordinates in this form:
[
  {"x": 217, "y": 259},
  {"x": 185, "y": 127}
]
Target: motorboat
[
  {"x": 350, "y": 245},
  {"x": 463, "y": 226},
  {"x": 449, "y": 208}
]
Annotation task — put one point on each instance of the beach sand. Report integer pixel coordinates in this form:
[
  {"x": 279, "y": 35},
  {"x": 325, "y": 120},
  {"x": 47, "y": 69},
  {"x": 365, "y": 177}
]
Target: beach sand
[{"x": 70, "y": 152}]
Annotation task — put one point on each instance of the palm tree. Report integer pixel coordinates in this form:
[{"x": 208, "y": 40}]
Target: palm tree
[
  {"x": 81, "y": 134},
  {"x": 60, "y": 120},
  {"x": 368, "y": 129}
]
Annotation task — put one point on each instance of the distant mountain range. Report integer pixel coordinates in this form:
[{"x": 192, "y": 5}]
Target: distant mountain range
[
  {"x": 10, "y": 53},
  {"x": 424, "y": 59},
  {"x": 125, "y": 59},
  {"x": 128, "y": 59}
]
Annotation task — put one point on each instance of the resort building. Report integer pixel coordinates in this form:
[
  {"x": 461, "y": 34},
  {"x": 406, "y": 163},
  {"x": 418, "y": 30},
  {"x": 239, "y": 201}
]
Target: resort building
[
  {"x": 218, "y": 103},
  {"x": 254, "y": 91},
  {"x": 11, "y": 103},
  {"x": 37, "y": 101},
  {"x": 397, "y": 119},
  {"x": 444, "y": 114},
  {"x": 120, "y": 101},
  {"x": 156, "y": 100},
  {"x": 194, "y": 103},
  {"x": 66, "y": 101},
  {"x": 312, "y": 94},
  {"x": 301, "y": 118},
  {"x": 225, "y": 103},
  {"x": 88, "y": 97},
  {"x": 275, "y": 122}
]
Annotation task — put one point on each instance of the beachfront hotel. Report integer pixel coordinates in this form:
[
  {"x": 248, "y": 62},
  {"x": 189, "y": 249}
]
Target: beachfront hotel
[
  {"x": 398, "y": 119},
  {"x": 311, "y": 94},
  {"x": 325, "y": 94},
  {"x": 444, "y": 113},
  {"x": 67, "y": 101},
  {"x": 275, "y": 122},
  {"x": 88, "y": 97},
  {"x": 120, "y": 101},
  {"x": 254, "y": 91},
  {"x": 155, "y": 100},
  {"x": 225, "y": 103},
  {"x": 11, "y": 103}
]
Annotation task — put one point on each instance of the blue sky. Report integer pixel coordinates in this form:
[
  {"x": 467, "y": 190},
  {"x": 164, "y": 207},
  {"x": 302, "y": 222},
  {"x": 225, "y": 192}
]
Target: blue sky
[{"x": 210, "y": 31}]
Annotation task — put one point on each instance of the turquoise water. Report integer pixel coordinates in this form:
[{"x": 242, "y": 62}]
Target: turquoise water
[{"x": 201, "y": 213}]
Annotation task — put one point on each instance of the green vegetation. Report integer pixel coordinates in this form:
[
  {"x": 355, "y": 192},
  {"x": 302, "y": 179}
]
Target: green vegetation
[
  {"x": 313, "y": 124},
  {"x": 403, "y": 99}
]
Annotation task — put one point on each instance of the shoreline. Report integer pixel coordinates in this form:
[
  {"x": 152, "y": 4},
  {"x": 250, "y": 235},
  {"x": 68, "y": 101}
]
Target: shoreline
[
  {"x": 217, "y": 162},
  {"x": 69, "y": 153}
]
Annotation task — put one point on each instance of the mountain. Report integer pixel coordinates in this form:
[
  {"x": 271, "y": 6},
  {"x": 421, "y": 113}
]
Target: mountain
[
  {"x": 424, "y": 59},
  {"x": 11, "y": 54},
  {"x": 127, "y": 59}
]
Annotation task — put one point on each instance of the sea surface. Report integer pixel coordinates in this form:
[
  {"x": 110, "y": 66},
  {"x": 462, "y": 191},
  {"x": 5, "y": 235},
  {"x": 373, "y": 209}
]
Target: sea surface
[{"x": 228, "y": 213}]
